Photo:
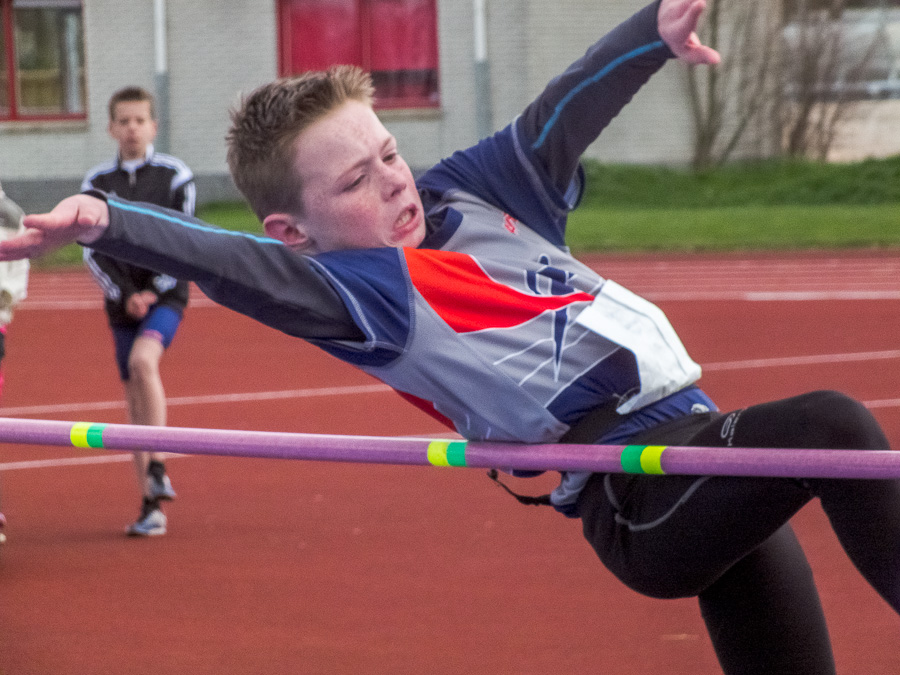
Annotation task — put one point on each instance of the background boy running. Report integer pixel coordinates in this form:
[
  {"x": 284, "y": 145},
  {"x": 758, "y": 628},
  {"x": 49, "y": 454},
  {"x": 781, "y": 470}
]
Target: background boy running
[{"x": 144, "y": 307}]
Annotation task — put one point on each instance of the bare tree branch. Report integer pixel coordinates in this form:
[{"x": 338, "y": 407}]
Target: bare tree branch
[{"x": 787, "y": 76}]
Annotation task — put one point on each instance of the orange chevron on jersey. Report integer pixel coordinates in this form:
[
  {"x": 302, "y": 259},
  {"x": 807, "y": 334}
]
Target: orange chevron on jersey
[{"x": 468, "y": 299}]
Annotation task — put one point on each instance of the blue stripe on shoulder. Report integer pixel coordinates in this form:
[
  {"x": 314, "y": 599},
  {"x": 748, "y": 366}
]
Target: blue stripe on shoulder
[
  {"x": 375, "y": 288},
  {"x": 596, "y": 77},
  {"x": 136, "y": 208}
]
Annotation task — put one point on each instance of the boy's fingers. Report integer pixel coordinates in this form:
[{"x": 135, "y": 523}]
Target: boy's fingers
[
  {"x": 698, "y": 54},
  {"x": 678, "y": 23},
  {"x": 692, "y": 16},
  {"x": 26, "y": 245},
  {"x": 76, "y": 218},
  {"x": 62, "y": 215},
  {"x": 38, "y": 221},
  {"x": 677, "y": 20},
  {"x": 81, "y": 218},
  {"x": 685, "y": 21}
]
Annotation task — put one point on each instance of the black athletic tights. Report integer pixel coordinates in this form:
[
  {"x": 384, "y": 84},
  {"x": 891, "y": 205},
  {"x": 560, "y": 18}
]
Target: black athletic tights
[{"x": 727, "y": 541}]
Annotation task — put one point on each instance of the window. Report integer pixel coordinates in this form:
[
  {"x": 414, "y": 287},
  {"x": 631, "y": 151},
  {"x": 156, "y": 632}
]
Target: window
[
  {"x": 41, "y": 60},
  {"x": 395, "y": 40},
  {"x": 858, "y": 45}
]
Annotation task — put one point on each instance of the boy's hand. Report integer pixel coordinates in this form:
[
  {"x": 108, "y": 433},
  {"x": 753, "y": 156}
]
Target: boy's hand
[
  {"x": 82, "y": 218},
  {"x": 677, "y": 21},
  {"x": 138, "y": 304}
]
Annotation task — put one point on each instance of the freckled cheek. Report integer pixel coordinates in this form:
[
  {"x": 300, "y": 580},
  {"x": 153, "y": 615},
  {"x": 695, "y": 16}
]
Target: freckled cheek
[
  {"x": 366, "y": 212},
  {"x": 354, "y": 226}
]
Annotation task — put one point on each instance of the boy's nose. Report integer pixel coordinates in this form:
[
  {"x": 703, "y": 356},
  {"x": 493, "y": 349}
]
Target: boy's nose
[{"x": 393, "y": 181}]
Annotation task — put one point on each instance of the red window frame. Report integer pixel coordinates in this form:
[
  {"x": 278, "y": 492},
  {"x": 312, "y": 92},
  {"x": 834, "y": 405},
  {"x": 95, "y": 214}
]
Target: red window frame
[
  {"x": 315, "y": 34},
  {"x": 11, "y": 82}
]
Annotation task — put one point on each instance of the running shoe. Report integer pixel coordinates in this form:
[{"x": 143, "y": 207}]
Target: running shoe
[
  {"x": 161, "y": 488},
  {"x": 151, "y": 524}
]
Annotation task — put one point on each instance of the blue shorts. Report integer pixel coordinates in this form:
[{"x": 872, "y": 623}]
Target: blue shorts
[{"x": 161, "y": 322}]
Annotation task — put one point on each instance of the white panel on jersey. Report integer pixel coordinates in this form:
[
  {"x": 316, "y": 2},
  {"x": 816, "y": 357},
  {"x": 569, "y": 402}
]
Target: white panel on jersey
[{"x": 643, "y": 329}]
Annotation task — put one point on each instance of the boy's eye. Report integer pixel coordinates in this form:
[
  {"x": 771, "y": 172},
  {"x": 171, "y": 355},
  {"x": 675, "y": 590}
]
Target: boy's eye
[{"x": 355, "y": 183}]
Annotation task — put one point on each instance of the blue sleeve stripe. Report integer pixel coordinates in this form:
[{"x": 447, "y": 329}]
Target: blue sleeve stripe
[
  {"x": 599, "y": 75},
  {"x": 186, "y": 223}
]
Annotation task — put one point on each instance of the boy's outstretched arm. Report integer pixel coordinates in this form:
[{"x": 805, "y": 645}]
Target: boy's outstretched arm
[
  {"x": 80, "y": 218},
  {"x": 253, "y": 275},
  {"x": 576, "y": 106},
  {"x": 530, "y": 169}
]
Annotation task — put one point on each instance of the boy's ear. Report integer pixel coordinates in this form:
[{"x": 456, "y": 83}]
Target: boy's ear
[{"x": 287, "y": 229}]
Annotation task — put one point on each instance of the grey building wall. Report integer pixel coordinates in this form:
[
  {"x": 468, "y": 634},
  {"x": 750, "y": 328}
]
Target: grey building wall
[
  {"x": 529, "y": 42},
  {"x": 40, "y": 161},
  {"x": 654, "y": 128},
  {"x": 217, "y": 50}
]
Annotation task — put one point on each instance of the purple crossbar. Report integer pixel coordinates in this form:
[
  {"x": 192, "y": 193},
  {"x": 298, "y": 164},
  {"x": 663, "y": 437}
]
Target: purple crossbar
[{"x": 798, "y": 463}]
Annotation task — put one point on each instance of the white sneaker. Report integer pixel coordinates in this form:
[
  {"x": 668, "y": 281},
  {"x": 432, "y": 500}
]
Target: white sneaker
[
  {"x": 152, "y": 524},
  {"x": 161, "y": 489}
]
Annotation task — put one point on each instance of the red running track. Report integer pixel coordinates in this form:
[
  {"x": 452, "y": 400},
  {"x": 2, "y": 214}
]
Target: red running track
[{"x": 293, "y": 567}]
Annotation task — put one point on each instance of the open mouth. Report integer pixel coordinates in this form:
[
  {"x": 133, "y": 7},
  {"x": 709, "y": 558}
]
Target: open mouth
[{"x": 406, "y": 222}]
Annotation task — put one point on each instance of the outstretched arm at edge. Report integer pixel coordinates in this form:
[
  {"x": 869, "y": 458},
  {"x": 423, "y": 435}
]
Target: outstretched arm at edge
[
  {"x": 576, "y": 107},
  {"x": 529, "y": 168},
  {"x": 81, "y": 218},
  {"x": 253, "y": 275}
]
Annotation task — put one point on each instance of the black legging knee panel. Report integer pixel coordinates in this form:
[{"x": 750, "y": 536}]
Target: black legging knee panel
[
  {"x": 865, "y": 514},
  {"x": 820, "y": 419},
  {"x": 675, "y": 536}
]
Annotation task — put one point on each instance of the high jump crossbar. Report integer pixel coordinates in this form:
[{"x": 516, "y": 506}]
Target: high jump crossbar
[{"x": 637, "y": 459}]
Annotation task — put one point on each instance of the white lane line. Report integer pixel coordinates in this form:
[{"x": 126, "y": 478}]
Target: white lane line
[
  {"x": 801, "y": 360},
  {"x": 883, "y": 403},
  {"x": 209, "y": 399},
  {"x": 764, "y": 296},
  {"x": 803, "y": 296},
  {"x": 65, "y": 461},
  {"x": 200, "y": 400}
]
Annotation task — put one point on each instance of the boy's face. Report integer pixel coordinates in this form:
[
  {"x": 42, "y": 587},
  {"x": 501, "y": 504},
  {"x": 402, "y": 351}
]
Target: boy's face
[
  {"x": 133, "y": 128},
  {"x": 357, "y": 190}
]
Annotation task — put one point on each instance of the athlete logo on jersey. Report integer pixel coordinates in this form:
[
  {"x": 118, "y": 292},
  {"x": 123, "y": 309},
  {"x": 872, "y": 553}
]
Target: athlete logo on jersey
[
  {"x": 468, "y": 299},
  {"x": 510, "y": 224},
  {"x": 553, "y": 281}
]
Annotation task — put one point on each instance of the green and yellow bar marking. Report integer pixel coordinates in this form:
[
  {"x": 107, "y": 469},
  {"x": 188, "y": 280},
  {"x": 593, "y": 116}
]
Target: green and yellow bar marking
[
  {"x": 447, "y": 453},
  {"x": 643, "y": 459},
  {"x": 87, "y": 435}
]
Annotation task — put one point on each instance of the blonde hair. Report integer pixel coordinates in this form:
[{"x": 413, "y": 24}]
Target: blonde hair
[{"x": 266, "y": 125}]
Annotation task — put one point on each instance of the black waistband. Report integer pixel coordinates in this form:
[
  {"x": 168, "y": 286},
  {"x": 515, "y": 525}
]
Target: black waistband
[{"x": 593, "y": 424}]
